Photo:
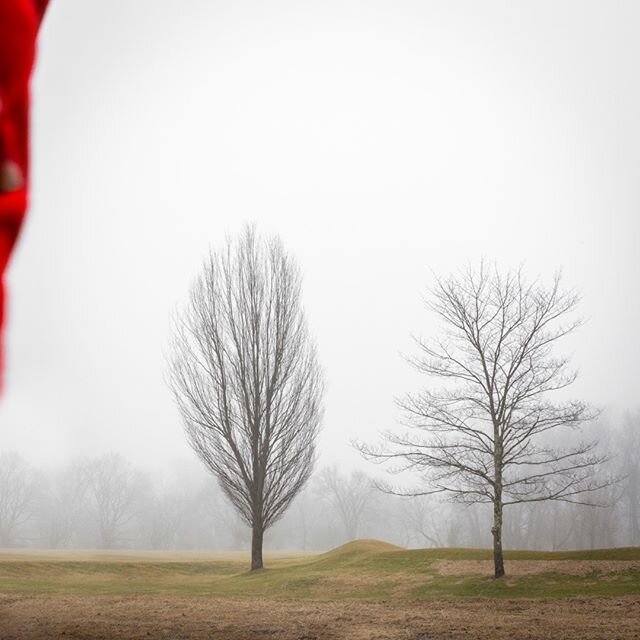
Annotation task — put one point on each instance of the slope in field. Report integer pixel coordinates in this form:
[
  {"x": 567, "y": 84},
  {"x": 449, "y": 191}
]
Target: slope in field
[{"x": 356, "y": 550}]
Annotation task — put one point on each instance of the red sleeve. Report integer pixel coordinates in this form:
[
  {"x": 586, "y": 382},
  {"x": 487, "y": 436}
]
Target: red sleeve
[
  {"x": 41, "y": 7},
  {"x": 19, "y": 20}
]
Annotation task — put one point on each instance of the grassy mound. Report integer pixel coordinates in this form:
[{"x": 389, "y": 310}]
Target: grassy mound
[{"x": 354, "y": 551}]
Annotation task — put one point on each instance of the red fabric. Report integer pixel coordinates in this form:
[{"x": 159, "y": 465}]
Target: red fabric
[{"x": 19, "y": 22}]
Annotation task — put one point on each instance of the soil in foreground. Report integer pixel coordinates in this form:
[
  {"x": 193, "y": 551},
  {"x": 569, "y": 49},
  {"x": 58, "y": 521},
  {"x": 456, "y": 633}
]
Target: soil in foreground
[{"x": 177, "y": 618}]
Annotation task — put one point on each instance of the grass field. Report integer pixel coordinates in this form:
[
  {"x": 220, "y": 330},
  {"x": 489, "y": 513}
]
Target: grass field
[
  {"x": 361, "y": 569},
  {"x": 78, "y": 588}
]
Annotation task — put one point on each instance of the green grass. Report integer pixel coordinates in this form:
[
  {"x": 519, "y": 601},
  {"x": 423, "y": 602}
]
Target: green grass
[{"x": 361, "y": 569}]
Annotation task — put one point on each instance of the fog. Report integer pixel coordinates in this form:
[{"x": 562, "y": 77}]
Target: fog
[
  {"x": 385, "y": 142},
  {"x": 107, "y": 503}
]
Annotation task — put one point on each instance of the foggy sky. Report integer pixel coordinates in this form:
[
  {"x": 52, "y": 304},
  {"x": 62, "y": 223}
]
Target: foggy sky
[{"x": 384, "y": 140}]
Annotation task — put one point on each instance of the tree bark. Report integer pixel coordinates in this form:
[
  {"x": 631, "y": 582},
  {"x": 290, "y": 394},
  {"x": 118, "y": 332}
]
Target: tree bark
[
  {"x": 498, "y": 560},
  {"x": 257, "y": 533}
]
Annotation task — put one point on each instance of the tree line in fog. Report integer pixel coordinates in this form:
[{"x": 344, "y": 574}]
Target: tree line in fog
[{"x": 108, "y": 503}]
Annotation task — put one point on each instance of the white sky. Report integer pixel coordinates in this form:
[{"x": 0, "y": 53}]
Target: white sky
[{"x": 382, "y": 139}]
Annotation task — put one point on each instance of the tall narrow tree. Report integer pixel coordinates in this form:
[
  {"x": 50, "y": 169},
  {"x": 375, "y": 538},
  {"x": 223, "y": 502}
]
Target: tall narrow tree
[
  {"x": 485, "y": 433},
  {"x": 246, "y": 378}
]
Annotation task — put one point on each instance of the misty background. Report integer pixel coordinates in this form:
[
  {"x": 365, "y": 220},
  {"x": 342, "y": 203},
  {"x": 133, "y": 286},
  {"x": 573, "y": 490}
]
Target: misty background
[{"x": 384, "y": 141}]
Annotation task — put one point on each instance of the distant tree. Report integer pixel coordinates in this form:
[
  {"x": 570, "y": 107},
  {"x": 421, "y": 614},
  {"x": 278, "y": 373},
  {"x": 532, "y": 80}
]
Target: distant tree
[
  {"x": 180, "y": 511},
  {"x": 163, "y": 519},
  {"x": 63, "y": 504},
  {"x": 484, "y": 434},
  {"x": 246, "y": 379},
  {"x": 629, "y": 460},
  {"x": 303, "y": 516},
  {"x": 422, "y": 519},
  {"x": 18, "y": 494},
  {"x": 350, "y": 497},
  {"x": 595, "y": 522},
  {"x": 115, "y": 487}
]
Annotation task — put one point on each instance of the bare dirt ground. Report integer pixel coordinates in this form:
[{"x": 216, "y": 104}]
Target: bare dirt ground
[{"x": 176, "y": 618}]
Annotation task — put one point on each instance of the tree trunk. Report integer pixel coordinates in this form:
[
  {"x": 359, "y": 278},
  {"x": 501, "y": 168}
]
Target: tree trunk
[
  {"x": 257, "y": 533},
  {"x": 498, "y": 561},
  {"x": 634, "y": 509}
]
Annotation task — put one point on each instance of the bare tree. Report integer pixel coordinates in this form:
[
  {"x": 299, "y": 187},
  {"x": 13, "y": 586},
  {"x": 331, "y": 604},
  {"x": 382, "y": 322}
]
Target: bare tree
[
  {"x": 421, "y": 519},
  {"x": 299, "y": 525},
  {"x": 115, "y": 487},
  {"x": 163, "y": 519},
  {"x": 484, "y": 435},
  {"x": 63, "y": 503},
  {"x": 350, "y": 497},
  {"x": 629, "y": 460},
  {"x": 246, "y": 379},
  {"x": 18, "y": 493}
]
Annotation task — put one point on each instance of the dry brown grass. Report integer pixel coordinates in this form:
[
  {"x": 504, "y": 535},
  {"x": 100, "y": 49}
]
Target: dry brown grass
[
  {"x": 176, "y": 618},
  {"x": 119, "y": 555},
  {"x": 534, "y": 567}
]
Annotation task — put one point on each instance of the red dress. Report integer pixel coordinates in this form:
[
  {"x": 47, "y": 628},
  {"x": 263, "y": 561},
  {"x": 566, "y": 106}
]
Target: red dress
[{"x": 19, "y": 23}]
